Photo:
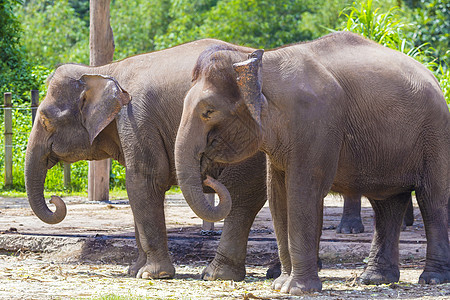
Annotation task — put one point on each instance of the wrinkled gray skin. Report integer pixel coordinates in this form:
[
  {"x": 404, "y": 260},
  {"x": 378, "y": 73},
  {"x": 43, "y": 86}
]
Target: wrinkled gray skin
[
  {"x": 340, "y": 113},
  {"x": 130, "y": 111}
]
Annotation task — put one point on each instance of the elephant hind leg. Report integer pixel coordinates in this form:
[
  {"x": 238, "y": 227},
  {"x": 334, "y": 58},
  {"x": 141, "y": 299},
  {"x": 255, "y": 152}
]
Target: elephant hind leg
[
  {"x": 409, "y": 215},
  {"x": 351, "y": 216},
  {"x": 434, "y": 209},
  {"x": 384, "y": 254}
]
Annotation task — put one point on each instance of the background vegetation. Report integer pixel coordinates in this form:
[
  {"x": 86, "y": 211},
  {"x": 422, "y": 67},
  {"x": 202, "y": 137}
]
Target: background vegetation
[{"x": 37, "y": 35}]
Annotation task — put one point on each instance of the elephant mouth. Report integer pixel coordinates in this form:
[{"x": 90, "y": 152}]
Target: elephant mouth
[
  {"x": 52, "y": 160},
  {"x": 209, "y": 167}
]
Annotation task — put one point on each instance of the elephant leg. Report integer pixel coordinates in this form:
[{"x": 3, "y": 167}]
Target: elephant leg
[
  {"x": 408, "y": 220},
  {"x": 351, "y": 216},
  {"x": 142, "y": 257},
  {"x": 434, "y": 209},
  {"x": 147, "y": 203},
  {"x": 274, "y": 270},
  {"x": 246, "y": 184},
  {"x": 276, "y": 191},
  {"x": 305, "y": 218},
  {"x": 384, "y": 256}
]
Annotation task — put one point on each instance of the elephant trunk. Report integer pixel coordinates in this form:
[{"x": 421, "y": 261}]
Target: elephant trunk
[
  {"x": 189, "y": 179},
  {"x": 35, "y": 174}
]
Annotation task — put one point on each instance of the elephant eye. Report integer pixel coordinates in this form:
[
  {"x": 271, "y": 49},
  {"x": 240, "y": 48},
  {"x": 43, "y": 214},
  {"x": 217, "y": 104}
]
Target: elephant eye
[{"x": 207, "y": 114}]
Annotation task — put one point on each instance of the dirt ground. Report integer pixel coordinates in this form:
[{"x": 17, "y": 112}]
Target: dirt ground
[{"x": 87, "y": 256}]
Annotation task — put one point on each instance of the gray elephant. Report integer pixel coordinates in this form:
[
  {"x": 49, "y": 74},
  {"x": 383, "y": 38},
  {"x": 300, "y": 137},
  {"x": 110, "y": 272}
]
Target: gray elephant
[
  {"x": 130, "y": 111},
  {"x": 341, "y": 113}
]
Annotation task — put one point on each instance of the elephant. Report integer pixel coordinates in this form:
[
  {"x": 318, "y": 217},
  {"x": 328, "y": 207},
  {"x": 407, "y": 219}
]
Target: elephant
[
  {"x": 129, "y": 111},
  {"x": 339, "y": 113}
]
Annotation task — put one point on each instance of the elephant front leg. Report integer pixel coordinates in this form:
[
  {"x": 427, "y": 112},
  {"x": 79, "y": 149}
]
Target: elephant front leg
[
  {"x": 304, "y": 228},
  {"x": 351, "y": 216},
  {"x": 147, "y": 204},
  {"x": 246, "y": 184},
  {"x": 305, "y": 193},
  {"x": 276, "y": 191},
  {"x": 384, "y": 254}
]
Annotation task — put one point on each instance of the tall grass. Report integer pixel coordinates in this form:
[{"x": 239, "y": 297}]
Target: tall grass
[{"x": 383, "y": 28}]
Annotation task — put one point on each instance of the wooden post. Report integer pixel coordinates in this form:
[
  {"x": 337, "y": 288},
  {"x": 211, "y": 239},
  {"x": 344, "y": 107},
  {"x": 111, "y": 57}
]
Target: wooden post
[
  {"x": 8, "y": 140},
  {"x": 101, "y": 45},
  {"x": 210, "y": 198},
  {"x": 67, "y": 178},
  {"x": 34, "y": 104}
]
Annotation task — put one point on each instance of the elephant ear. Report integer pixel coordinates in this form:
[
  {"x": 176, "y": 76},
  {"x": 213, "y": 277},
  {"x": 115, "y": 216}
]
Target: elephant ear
[
  {"x": 250, "y": 83},
  {"x": 100, "y": 102}
]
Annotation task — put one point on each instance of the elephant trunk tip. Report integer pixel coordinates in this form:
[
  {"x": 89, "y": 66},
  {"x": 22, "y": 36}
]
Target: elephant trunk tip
[
  {"x": 224, "y": 196},
  {"x": 60, "y": 212}
]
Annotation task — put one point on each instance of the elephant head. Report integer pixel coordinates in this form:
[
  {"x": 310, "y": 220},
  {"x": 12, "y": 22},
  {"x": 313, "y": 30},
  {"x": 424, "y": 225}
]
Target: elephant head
[
  {"x": 70, "y": 126},
  {"x": 221, "y": 121}
]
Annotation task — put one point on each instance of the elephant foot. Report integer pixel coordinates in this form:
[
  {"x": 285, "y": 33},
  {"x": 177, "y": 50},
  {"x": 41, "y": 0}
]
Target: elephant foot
[
  {"x": 434, "y": 277},
  {"x": 300, "y": 286},
  {"x": 350, "y": 225},
  {"x": 379, "y": 276},
  {"x": 223, "y": 271},
  {"x": 156, "y": 271},
  {"x": 274, "y": 270},
  {"x": 134, "y": 269},
  {"x": 280, "y": 281}
]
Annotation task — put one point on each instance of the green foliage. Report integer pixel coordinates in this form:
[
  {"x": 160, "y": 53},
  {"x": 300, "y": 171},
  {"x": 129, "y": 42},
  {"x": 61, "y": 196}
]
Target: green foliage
[
  {"x": 117, "y": 178},
  {"x": 136, "y": 23},
  {"x": 9, "y": 35},
  {"x": 443, "y": 75},
  {"x": 81, "y": 8},
  {"x": 14, "y": 70},
  {"x": 386, "y": 28},
  {"x": 257, "y": 23},
  {"x": 53, "y": 33},
  {"x": 432, "y": 18},
  {"x": 184, "y": 19},
  {"x": 323, "y": 17}
]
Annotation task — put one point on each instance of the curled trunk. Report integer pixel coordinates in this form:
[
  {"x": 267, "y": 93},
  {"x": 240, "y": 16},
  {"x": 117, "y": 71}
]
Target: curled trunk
[
  {"x": 35, "y": 173},
  {"x": 189, "y": 179}
]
